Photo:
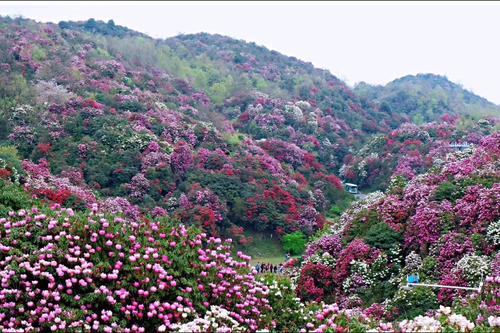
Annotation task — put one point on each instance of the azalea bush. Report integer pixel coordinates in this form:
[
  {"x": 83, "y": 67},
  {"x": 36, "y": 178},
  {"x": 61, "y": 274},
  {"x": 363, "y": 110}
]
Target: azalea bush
[
  {"x": 64, "y": 270},
  {"x": 316, "y": 282},
  {"x": 414, "y": 302},
  {"x": 330, "y": 318},
  {"x": 289, "y": 313}
]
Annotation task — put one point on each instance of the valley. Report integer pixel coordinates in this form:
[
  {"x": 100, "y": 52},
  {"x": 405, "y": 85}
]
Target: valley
[{"x": 142, "y": 180}]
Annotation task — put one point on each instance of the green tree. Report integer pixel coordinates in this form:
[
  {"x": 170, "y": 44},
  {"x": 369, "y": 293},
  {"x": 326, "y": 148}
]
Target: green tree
[
  {"x": 295, "y": 243},
  {"x": 12, "y": 198},
  {"x": 380, "y": 235}
]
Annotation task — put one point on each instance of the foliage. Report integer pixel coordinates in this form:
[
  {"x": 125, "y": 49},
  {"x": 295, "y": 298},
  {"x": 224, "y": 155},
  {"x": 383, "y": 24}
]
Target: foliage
[
  {"x": 381, "y": 236},
  {"x": 414, "y": 302},
  {"x": 294, "y": 243},
  {"x": 289, "y": 312},
  {"x": 12, "y": 197}
]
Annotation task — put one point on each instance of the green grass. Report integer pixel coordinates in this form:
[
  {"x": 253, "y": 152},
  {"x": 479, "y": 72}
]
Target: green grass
[
  {"x": 263, "y": 248},
  {"x": 268, "y": 260}
]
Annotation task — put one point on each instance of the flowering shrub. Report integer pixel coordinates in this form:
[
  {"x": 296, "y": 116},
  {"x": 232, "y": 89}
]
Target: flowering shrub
[
  {"x": 4, "y": 173},
  {"x": 138, "y": 186},
  {"x": 50, "y": 92},
  {"x": 393, "y": 212},
  {"x": 276, "y": 203},
  {"x": 316, "y": 282},
  {"x": 284, "y": 152},
  {"x": 181, "y": 159},
  {"x": 479, "y": 207},
  {"x": 425, "y": 226},
  {"x": 121, "y": 206},
  {"x": 103, "y": 272},
  {"x": 44, "y": 148},
  {"x": 153, "y": 157},
  {"x": 288, "y": 312},
  {"x": 452, "y": 278},
  {"x": 217, "y": 319},
  {"x": 474, "y": 268},
  {"x": 357, "y": 250},
  {"x": 442, "y": 320},
  {"x": 42, "y": 183},
  {"x": 413, "y": 262},
  {"x": 310, "y": 220},
  {"x": 493, "y": 233},
  {"x": 23, "y": 134},
  {"x": 451, "y": 248},
  {"x": 414, "y": 302},
  {"x": 331, "y": 317},
  {"x": 444, "y": 225},
  {"x": 202, "y": 207},
  {"x": 331, "y": 244}
]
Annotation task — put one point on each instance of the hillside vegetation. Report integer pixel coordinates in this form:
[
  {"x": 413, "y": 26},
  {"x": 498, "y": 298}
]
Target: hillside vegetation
[{"x": 135, "y": 173}]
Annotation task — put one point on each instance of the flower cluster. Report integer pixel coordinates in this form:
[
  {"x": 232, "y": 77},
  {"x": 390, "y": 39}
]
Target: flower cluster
[
  {"x": 446, "y": 225},
  {"x": 100, "y": 272},
  {"x": 442, "y": 320},
  {"x": 493, "y": 233},
  {"x": 474, "y": 268},
  {"x": 330, "y": 244},
  {"x": 42, "y": 183},
  {"x": 217, "y": 319}
]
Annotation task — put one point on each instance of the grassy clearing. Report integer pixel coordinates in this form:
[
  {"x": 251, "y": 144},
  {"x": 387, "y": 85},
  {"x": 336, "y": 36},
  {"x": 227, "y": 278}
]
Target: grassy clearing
[
  {"x": 263, "y": 248},
  {"x": 268, "y": 260}
]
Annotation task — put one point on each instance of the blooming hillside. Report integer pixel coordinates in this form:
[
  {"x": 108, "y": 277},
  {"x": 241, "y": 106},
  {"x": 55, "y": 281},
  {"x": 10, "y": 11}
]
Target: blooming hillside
[
  {"x": 218, "y": 132},
  {"x": 97, "y": 116},
  {"x": 410, "y": 149},
  {"x": 127, "y": 165},
  {"x": 442, "y": 225},
  {"x": 64, "y": 270}
]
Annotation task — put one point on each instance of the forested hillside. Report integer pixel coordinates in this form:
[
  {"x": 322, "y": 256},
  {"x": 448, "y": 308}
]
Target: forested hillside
[
  {"x": 426, "y": 97},
  {"x": 133, "y": 170}
]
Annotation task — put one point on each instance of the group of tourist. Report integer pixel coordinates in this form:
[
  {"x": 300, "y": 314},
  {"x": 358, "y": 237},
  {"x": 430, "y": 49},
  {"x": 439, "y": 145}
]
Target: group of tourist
[
  {"x": 269, "y": 268},
  {"x": 262, "y": 267}
]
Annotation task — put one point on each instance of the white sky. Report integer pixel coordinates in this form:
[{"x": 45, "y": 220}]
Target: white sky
[{"x": 369, "y": 42}]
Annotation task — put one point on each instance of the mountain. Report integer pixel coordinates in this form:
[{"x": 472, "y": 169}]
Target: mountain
[
  {"x": 99, "y": 27},
  {"x": 205, "y": 127},
  {"x": 426, "y": 97},
  {"x": 134, "y": 125},
  {"x": 127, "y": 162}
]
